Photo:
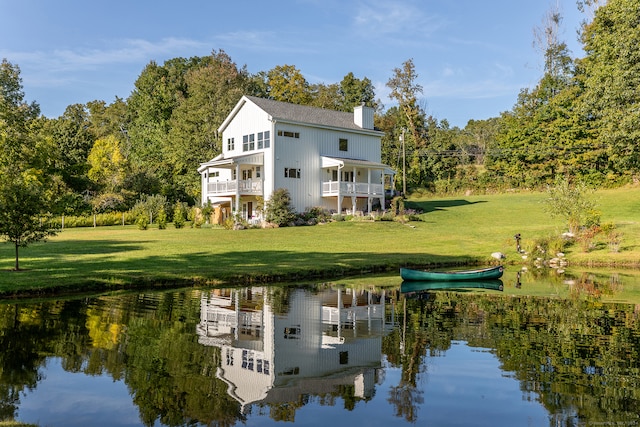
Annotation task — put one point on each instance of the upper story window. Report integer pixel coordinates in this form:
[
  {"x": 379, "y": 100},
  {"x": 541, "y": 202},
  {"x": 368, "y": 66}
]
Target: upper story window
[
  {"x": 231, "y": 144},
  {"x": 289, "y": 134},
  {"x": 291, "y": 173},
  {"x": 264, "y": 139},
  {"x": 249, "y": 142},
  {"x": 343, "y": 144}
]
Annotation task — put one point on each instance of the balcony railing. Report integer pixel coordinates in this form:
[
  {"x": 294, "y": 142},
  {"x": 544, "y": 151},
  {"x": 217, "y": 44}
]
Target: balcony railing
[
  {"x": 330, "y": 188},
  {"x": 247, "y": 186}
]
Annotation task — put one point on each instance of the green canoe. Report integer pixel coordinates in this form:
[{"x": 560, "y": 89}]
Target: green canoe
[
  {"x": 418, "y": 286},
  {"x": 452, "y": 276}
]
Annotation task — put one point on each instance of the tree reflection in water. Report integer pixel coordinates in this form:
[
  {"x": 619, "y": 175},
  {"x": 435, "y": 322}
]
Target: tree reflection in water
[{"x": 219, "y": 357}]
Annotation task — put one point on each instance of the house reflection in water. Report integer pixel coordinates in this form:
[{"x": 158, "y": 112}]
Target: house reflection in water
[{"x": 317, "y": 342}]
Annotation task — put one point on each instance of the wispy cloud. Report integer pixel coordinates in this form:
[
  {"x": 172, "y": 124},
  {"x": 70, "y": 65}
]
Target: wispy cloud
[
  {"x": 115, "y": 52},
  {"x": 266, "y": 41},
  {"x": 398, "y": 18}
]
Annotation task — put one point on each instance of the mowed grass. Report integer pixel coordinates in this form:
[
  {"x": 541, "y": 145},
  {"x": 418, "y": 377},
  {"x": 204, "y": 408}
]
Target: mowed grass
[{"x": 457, "y": 230}]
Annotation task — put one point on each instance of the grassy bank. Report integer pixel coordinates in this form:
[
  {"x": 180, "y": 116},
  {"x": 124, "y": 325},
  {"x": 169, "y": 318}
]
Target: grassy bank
[{"x": 458, "y": 230}]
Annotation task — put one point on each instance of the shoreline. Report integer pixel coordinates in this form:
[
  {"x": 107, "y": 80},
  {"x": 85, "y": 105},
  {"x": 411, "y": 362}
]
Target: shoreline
[{"x": 151, "y": 284}]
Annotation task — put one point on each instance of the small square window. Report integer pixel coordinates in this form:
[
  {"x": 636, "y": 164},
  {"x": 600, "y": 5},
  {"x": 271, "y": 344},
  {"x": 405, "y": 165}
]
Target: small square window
[{"x": 343, "y": 144}]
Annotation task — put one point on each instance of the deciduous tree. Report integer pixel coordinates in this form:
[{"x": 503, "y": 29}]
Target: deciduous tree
[{"x": 26, "y": 180}]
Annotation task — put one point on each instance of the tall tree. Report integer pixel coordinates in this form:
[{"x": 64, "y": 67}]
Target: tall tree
[
  {"x": 412, "y": 137},
  {"x": 211, "y": 92},
  {"x": 546, "y": 133},
  {"x": 25, "y": 166},
  {"x": 72, "y": 135},
  {"x": 355, "y": 92},
  {"x": 405, "y": 90},
  {"x": 107, "y": 164},
  {"x": 158, "y": 91},
  {"x": 286, "y": 83},
  {"x": 611, "y": 81}
]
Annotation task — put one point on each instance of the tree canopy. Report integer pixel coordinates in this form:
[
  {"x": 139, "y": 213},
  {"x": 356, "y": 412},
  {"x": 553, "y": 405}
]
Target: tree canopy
[
  {"x": 27, "y": 186},
  {"x": 581, "y": 119}
]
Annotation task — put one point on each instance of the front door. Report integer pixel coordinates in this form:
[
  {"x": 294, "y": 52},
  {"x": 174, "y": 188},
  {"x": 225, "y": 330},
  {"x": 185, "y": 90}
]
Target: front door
[{"x": 247, "y": 210}]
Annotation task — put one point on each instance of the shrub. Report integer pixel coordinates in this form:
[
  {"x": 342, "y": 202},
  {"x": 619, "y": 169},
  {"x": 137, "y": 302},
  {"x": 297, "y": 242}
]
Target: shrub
[
  {"x": 316, "y": 213},
  {"x": 142, "y": 221},
  {"x": 571, "y": 202},
  {"x": 613, "y": 236},
  {"x": 179, "y": 214},
  {"x": 162, "y": 219},
  {"x": 279, "y": 210},
  {"x": 101, "y": 219},
  {"x": 586, "y": 236},
  {"x": 150, "y": 206},
  {"x": 544, "y": 248}
]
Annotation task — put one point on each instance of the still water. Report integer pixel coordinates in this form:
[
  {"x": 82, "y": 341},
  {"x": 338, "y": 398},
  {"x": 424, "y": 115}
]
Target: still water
[{"x": 538, "y": 351}]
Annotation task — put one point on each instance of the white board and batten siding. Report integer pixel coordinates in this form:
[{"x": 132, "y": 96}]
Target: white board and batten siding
[
  {"x": 250, "y": 120},
  {"x": 305, "y": 154}
]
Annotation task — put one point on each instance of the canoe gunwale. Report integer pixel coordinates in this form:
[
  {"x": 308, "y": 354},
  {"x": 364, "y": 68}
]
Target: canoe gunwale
[{"x": 494, "y": 272}]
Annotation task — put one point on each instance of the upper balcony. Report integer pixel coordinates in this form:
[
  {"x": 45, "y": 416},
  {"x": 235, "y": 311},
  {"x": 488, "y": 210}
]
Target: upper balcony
[
  {"x": 351, "y": 189},
  {"x": 230, "y": 188}
]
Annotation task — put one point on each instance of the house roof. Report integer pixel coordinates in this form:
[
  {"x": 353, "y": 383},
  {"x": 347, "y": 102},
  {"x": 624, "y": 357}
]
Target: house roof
[
  {"x": 220, "y": 162},
  {"x": 301, "y": 114},
  {"x": 342, "y": 162}
]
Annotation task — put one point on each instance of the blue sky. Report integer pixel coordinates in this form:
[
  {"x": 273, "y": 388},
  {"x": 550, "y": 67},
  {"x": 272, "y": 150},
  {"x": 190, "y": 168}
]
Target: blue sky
[{"x": 472, "y": 57}]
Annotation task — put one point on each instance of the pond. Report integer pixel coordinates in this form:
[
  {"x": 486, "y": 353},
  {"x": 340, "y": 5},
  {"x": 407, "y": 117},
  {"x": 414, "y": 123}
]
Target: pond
[{"x": 543, "y": 349}]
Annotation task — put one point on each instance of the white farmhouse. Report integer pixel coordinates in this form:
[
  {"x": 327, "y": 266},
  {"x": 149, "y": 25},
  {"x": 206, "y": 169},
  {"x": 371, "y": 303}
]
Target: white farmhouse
[
  {"x": 324, "y": 158},
  {"x": 321, "y": 341}
]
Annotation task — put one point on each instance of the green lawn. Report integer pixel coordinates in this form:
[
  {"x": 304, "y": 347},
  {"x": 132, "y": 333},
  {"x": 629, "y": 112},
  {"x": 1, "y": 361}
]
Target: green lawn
[{"x": 454, "y": 231}]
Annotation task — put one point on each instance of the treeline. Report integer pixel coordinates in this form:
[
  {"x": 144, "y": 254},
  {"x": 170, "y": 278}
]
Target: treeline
[{"x": 580, "y": 121}]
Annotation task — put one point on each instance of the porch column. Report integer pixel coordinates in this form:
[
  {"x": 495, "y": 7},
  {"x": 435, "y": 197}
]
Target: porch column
[
  {"x": 236, "y": 295},
  {"x": 382, "y": 201},
  {"x": 354, "y": 198},
  {"x": 237, "y": 189},
  {"x": 339, "y": 192},
  {"x": 369, "y": 190},
  {"x": 339, "y": 313}
]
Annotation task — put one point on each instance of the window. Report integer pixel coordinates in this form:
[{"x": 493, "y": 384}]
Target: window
[
  {"x": 292, "y": 333},
  {"x": 291, "y": 371},
  {"x": 247, "y": 360},
  {"x": 291, "y": 173},
  {"x": 258, "y": 172},
  {"x": 231, "y": 144},
  {"x": 263, "y": 139},
  {"x": 343, "y": 144},
  {"x": 214, "y": 174},
  {"x": 262, "y": 366},
  {"x": 344, "y": 357},
  {"x": 248, "y": 142},
  {"x": 288, "y": 134}
]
